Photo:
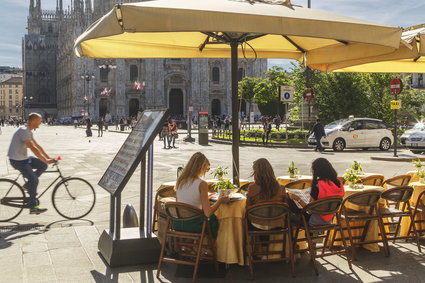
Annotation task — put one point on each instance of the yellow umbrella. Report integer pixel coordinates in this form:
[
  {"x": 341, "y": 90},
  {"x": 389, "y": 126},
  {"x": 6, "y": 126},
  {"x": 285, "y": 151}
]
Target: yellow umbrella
[
  {"x": 232, "y": 28},
  {"x": 409, "y": 58}
]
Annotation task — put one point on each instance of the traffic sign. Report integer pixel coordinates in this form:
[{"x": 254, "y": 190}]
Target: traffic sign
[
  {"x": 396, "y": 86},
  {"x": 308, "y": 93},
  {"x": 395, "y": 104},
  {"x": 286, "y": 93}
]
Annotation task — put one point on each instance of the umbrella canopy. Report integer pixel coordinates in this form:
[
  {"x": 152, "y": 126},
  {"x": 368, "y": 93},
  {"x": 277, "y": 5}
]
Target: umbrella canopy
[
  {"x": 409, "y": 58},
  {"x": 232, "y": 28}
]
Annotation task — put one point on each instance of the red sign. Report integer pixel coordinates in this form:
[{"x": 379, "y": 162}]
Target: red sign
[
  {"x": 203, "y": 112},
  {"x": 308, "y": 93},
  {"x": 396, "y": 86}
]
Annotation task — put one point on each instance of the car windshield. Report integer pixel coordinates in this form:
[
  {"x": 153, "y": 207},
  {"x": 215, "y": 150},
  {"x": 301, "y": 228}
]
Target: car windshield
[
  {"x": 336, "y": 123},
  {"x": 419, "y": 127}
]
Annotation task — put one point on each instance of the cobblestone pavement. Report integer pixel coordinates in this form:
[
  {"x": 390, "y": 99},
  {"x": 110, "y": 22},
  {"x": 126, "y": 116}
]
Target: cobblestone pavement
[{"x": 46, "y": 248}]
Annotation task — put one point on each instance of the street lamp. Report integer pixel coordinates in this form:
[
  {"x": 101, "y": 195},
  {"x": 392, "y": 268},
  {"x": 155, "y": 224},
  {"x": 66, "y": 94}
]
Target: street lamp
[
  {"x": 87, "y": 78},
  {"x": 24, "y": 100}
]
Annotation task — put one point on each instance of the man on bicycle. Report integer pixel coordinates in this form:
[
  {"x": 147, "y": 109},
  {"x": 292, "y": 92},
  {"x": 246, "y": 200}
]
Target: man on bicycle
[{"x": 22, "y": 140}]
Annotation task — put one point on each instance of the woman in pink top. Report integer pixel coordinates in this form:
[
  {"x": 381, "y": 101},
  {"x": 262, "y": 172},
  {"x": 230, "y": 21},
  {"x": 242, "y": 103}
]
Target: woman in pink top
[{"x": 325, "y": 184}]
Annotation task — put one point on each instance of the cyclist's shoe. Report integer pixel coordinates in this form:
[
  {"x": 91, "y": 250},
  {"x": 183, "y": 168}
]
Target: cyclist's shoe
[{"x": 37, "y": 210}]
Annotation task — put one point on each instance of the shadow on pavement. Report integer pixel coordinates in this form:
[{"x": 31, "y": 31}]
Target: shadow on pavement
[
  {"x": 70, "y": 223},
  {"x": 8, "y": 232}
]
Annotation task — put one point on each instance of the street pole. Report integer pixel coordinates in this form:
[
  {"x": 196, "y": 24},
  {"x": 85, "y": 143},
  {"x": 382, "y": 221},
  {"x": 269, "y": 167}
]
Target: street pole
[{"x": 395, "y": 130}]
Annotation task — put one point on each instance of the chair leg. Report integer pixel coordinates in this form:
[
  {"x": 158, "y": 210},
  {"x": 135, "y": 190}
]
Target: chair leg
[
  {"x": 290, "y": 249},
  {"x": 211, "y": 244},
  {"x": 344, "y": 244},
  {"x": 397, "y": 229},
  {"x": 249, "y": 249},
  {"x": 198, "y": 253},
  {"x": 415, "y": 232},
  {"x": 384, "y": 236},
  {"x": 312, "y": 250},
  {"x": 350, "y": 237},
  {"x": 161, "y": 254}
]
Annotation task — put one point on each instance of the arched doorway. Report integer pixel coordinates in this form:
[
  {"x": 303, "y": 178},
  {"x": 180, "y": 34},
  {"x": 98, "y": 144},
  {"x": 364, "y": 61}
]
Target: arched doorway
[
  {"x": 216, "y": 107},
  {"x": 176, "y": 102},
  {"x": 133, "y": 107},
  {"x": 103, "y": 107}
]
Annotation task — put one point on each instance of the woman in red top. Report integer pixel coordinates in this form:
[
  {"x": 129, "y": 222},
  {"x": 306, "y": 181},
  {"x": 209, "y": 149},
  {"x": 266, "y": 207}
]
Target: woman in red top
[
  {"x": 172, "y": 128},
  {"x": 325, "y": 184}
]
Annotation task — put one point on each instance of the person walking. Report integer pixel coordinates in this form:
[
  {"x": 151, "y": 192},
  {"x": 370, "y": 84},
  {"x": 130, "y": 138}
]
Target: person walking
[
  {"x": 172, "y": 128},
  {"x": 319, "y": 132},
  {"x": 23, "y": 139},
  {"x": 100, "y": 125},
  {"x": 88, "y": 125},
  {"x": 165, "y": 135},
  {"x": 266, "y": 131}
]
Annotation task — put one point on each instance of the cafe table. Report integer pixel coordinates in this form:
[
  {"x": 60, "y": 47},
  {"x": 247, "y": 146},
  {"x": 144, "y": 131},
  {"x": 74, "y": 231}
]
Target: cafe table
[
  {"x": 418, "y": 188},
  {"x": 373, "y": 230},
  {"x": 284, "y": 180},
  {"x": 414, "y": 175},
  {"x": 209, "y": 181}
]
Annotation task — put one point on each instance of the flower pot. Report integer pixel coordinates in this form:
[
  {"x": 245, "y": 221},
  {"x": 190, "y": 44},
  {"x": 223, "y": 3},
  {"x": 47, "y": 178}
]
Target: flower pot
[{"x": 351, "y": 185}]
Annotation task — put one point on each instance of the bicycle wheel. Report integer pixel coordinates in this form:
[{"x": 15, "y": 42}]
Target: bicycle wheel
[
  {"x": 12, "y": 199},
  {"x": 73, "y": 198}
]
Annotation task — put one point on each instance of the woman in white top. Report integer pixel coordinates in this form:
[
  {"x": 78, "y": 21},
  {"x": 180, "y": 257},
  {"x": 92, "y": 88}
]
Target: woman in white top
[{"x": 191, "y": 189}]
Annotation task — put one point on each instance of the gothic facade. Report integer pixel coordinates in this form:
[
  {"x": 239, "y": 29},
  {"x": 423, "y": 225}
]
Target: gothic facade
[{"x": 65, "y": 85}]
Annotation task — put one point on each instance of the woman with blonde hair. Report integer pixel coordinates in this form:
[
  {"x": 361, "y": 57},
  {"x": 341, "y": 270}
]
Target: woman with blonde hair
[
  {"x": 192, "y": 190},
  {"x": 264, "y": 188}
]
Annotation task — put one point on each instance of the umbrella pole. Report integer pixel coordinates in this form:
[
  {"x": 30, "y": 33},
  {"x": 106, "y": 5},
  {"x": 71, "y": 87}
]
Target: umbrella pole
[{"x": 235, "y": 112}]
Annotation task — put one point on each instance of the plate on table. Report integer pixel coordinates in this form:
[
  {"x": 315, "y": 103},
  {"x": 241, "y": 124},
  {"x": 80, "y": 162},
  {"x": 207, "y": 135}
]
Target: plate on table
[{"x": 232, "y": 197}]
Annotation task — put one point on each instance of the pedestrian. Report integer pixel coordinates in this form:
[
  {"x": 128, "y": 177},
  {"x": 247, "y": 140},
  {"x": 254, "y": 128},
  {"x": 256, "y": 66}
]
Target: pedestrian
[
  {"x": 165, "y": 135},
  {"x": 172, "y": 128},
  {"x": 100, "y": 125},
  {"x": 117, "y": 122},
  {"x": 75, "y": 123},
  {"x": 18, "y": 155},
  {"x": 266, "y": 131},
  {"x": 319, "y": 132},
  {"x": 88, "y": 125}
]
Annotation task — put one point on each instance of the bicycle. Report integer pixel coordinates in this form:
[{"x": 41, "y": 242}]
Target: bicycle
[{"x": 77, "y": 193}]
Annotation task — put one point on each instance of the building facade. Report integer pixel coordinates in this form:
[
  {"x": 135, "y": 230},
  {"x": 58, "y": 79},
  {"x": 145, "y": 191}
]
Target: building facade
[
  {"x": 11, "y": 98},
  {"x": 65, "y": 85}
]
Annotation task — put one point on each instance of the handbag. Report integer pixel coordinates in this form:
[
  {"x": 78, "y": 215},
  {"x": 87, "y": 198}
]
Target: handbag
[{"x": 175, "y": 135}]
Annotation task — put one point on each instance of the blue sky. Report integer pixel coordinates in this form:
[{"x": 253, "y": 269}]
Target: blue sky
[{"x": 13, "y": 19}]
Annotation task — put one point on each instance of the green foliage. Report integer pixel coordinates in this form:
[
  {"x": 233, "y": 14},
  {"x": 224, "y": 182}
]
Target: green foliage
[
  {"x": 220, "y": 172},
  {"x": 356, "y": 166},
  {"x": 223, "y": 184},
  {"x": 417, "y": 163},
  {"x": 351, "y": 176}
]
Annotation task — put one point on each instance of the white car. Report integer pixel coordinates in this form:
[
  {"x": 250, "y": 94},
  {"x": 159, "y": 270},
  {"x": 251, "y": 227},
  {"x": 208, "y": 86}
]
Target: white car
[
  {"x": 355, "y": 133},
  {"x": 414, "y": 139}
]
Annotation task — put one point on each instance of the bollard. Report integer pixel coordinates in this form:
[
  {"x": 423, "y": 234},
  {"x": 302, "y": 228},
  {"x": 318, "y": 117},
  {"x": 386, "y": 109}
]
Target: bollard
[{"x": 129, "y": 217}]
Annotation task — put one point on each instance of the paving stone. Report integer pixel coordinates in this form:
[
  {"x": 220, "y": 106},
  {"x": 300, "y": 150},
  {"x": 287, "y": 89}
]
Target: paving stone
[
  {"x": 39, "y": 273},
  {"x": 37, "y": 259}
]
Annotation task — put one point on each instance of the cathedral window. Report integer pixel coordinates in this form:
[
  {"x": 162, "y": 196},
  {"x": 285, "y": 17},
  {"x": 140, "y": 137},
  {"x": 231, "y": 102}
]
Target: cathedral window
[
  {"x": 43, "y": 98},
  {"x": 216, "y": 74},
  {"x": 103, "y": 75},
  {"x": 134, "y": 73},
  {"x": 50, "y": 28}
]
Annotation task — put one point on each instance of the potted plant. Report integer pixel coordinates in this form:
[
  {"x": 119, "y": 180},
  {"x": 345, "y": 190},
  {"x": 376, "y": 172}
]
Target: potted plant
[
  {"x": 292, "y": 170},
  {"x": 224, "y": 186},
  {"x": 357, "y": 167},
  {"x": 421, "y": 175},
  {"x": 351, "y": 177},
  {"x": 220, "y": 172},
  {"x": 418, "y": 164}
]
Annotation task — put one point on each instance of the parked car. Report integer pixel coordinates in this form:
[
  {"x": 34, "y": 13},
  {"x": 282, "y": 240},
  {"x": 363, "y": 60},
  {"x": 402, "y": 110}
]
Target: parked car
[
  {"x": 351, "y": 132},
  {"x": 414, "y": 139}
]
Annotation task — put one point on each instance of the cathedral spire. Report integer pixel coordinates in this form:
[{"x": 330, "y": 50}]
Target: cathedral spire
[{"x": 38, "y": 9}]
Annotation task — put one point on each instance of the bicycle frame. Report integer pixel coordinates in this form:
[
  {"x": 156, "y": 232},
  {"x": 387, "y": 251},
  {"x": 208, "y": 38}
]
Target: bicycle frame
[{"x": 61, "y": 177}]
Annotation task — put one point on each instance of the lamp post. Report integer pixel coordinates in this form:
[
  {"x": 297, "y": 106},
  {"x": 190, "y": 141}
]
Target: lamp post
[
  {"x": 87, "y": 78},
  {"x": 24, "y": 100}
]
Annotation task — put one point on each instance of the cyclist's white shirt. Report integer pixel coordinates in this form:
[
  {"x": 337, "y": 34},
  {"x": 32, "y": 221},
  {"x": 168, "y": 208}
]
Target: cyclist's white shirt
[{"x": 18, "y": 148}]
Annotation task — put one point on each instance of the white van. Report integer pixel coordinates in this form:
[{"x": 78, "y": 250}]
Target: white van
[{"x": 355, "y": 133}]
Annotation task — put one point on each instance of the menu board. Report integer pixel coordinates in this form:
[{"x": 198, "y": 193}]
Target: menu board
[
  {"x": 203, "y": 122},
  {"x": 128, "y": 157}
]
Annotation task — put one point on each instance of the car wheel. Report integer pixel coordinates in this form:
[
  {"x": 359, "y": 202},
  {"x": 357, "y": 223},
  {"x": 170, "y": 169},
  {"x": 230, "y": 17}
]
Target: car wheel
[
  {"x": 339, "y": 145},
  {"x": 385, "y": 144},
  {"x": 416, "y": 151},
  {"x": 365, "y": 148}
]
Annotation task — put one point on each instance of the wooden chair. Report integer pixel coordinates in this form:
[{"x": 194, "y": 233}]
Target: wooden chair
[
  {"x": 161, "y": 193},
  {"x": 329, "y": 205},
  {"x": 269, "y": 211},
  {"x": 373, "y": 180},
  {"x": 401, "y": 180},
  {"x": 401, "y": 196},
  {"x": 418, "y": 209},
  {"x": 299, "y": 184},
  {"x": 244, "y": 188},
  {"x": 183, "y": 212},
  {"x": 368, "y": 200}
]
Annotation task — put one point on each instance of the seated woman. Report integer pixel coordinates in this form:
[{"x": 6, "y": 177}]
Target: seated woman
[
  {"x": 265, "y": 188},
  {"x": 325, "y": 184},
  {"x": 191, "y": 189}
]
